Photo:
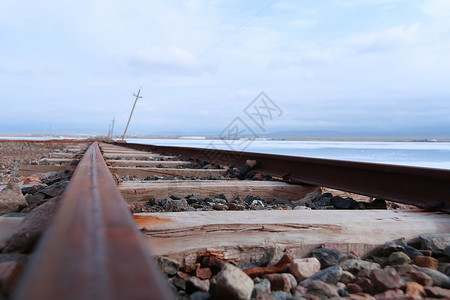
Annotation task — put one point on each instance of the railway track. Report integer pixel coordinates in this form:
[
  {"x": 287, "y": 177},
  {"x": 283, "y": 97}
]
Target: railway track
[{"x": 95, "y": 249}]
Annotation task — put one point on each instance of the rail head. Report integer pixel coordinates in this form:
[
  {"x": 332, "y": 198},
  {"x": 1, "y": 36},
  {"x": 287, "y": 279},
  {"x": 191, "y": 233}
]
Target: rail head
[{"x": 92, "y": 249}]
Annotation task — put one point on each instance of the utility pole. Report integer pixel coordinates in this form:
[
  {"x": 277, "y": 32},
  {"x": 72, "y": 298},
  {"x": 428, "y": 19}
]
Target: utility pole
[
  {"x": 129, "y": 119},
  {"x": 112, "y": 126}
]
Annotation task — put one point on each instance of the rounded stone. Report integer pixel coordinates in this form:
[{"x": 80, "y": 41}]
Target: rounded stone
[
  {"x": 398, "y": 258},
  {"x": 232, "y": 283}
]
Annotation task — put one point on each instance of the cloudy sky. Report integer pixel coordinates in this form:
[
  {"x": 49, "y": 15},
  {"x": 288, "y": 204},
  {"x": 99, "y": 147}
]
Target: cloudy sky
[{"x": 373, "y": 66}]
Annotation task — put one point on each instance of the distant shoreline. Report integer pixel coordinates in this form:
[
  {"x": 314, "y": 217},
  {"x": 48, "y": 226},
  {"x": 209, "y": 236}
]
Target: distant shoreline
[{"x": 282, "y": 138}]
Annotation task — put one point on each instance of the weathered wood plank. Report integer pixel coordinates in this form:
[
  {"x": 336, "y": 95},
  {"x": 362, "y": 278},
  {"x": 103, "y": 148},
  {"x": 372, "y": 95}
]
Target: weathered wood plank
[
  {"x": 137, "y": 191},
  {"x": 58, "y": 160},
  {"x": 149, "y": 163},
  {"x": 27, "y": 170},
  {"x": 144, "y": 172},
  {"x": 133, "y": 155},
  {"x": 263, "y": 235},
  {"x": 61, "y": 155},
  {"x": 126, "y": 152}
]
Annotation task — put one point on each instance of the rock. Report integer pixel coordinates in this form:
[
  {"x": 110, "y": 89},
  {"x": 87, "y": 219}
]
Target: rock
[
  {"x": 301, "y": 208},
  {"x": 30, "y": 179},
  {"x": 234, "y": 206},
  {"x": 196, "y": 284},
  {"x": 377, "y": 204},
  {"x": 178, "y": 282},
  {"x": 168, "y": 266},
  {"x": 322, "y": 289},
  {"x": 302, "y": 268},
  {"x": 382, "y": 260},
  {"x": 249, "y": 199},
  {"x": 437, "y": 292},
  {"x": 347, "y": 277},
  {"x": 411, "y": 252},
  {"x": 341, "y": 203},
  {"x": 359, "y": 205},
  {"x": 403, "y": 270},
  {"x": 10, "y": 271},
  {"x": 12, "y": 199},
  {"x": 356, "y": 265},
  {"x": 291, "y": 279},
  {"x": 323, "y": 200},
  {"x": 394, "y": 246},
  {"x": 414, "y": 289},
  {"x": 280, "y": 282},
  {"x": 34, "y": 199},
  {"x": 435, "y": 242},
  {"x": 390, "y": 294},
  {"x": 426, "y": 252},
  {"x": 354, "y": 288},
  {"x": 421, "y": 278},
  {"x": 56, "y": 189},
  {"x": 439, "y": 278},
  {"x": 261, "y": 286},
  {"x": 199, "y": 295},
  {"x": 386, "y": 279},
  {"x": 33, "y": 189},
  {"x": 353, "y": 255},
  {"x": 364, "y": 273},
  {"x": 220, "y": 206},
  {"x": 307, "y": 200},
  {"x": 221, "y": 196},
  {"x": 340, "y": 285},
  {"x": 447, "y": 251},
  {"x": 203, "y": 273},
  {"x": 172, "y": 205},
  {"x": 31, "y": 227},
  {"x": 232, "y": 283},
  {"x": 426, "y": 262},
  {"x": 361, "y": 296},
  {"x": 398, "y": 258},
  {"x": 183, "y": 275},
  {"x": 343, "y": 293},
  {"x": 299, "y": 290},
  {"x": 444, "y": 268},
  {"x": 279, "y": 295},
  {"x": 327, "y": 257},
  {"x": 214, "y": 263},
  {"x": 328, "y": 275},
  {"x": 366, "y": 285}
]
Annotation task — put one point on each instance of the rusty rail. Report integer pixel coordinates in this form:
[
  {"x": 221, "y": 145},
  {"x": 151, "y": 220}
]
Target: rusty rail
[
  {"x": 424, "y": 187},
  {"x": 92, "y": 249}
]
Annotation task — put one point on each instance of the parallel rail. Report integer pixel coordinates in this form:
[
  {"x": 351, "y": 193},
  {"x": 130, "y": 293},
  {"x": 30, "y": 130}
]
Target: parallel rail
[
  {"x": 423, "y": 187},
  {"x": 92, "y": 250}
]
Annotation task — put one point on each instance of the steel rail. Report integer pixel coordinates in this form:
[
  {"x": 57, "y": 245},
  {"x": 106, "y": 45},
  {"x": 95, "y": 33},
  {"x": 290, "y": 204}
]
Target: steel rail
[
  {"x": 423, "y": 187},
  {"x": 92, "y": 249}
]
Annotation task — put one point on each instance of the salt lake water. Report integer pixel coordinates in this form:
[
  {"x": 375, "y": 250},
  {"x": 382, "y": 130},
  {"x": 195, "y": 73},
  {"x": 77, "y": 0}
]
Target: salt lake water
[{"x": 431, "y": 155}]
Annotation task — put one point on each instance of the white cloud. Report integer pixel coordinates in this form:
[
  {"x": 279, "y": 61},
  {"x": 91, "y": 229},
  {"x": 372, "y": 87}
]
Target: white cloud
[
  {"x": 436, "y": 8},
  {"x": 171, "y": 60},
  {"x": 383, "y": 40}
]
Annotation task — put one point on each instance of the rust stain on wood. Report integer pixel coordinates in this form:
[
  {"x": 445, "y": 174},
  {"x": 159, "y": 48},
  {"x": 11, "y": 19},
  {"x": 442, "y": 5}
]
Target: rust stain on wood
[{"x": 143, "y": 221}]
